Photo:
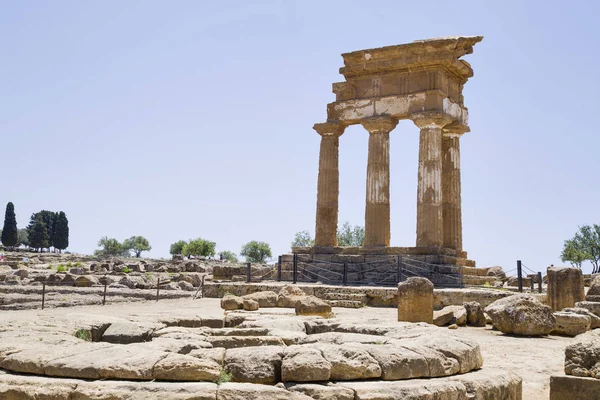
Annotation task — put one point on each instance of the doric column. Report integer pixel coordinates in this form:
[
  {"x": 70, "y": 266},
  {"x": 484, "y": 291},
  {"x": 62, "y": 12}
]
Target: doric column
[
  {"x": 430, "y": 230},
  {"x": 328, "y": 183},
  {"x": 451, "y": 201},
  {"x": 377, "y": 210}
]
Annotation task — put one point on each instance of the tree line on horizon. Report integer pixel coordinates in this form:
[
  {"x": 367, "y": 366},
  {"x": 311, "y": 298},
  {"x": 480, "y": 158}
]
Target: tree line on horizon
[
  {"x": 347, "y": 235},
  {"x": 46, "y": 230}
]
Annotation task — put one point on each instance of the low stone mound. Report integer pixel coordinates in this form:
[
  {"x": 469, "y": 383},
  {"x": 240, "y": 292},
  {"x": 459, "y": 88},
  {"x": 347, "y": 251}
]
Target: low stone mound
[
  {"x": 521, "y": 315},
  {"x": 482, "y": 385}
]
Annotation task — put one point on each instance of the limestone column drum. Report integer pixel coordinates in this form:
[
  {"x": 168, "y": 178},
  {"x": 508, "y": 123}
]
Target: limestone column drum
[
  {"x": 328, "y": 183},
  {"x": 451, "y": 197},
  {"x": 430, "y": 225},
  {"x": 377, "y": 210}
]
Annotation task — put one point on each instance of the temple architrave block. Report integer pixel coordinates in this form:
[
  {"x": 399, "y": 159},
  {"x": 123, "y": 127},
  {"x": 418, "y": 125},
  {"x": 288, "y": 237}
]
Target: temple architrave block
[{"x": 421, "y": 81}]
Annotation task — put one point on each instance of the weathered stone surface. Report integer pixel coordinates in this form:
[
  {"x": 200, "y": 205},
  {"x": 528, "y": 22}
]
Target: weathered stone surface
[
  {"x": 247, "y": 391},
  {"x": 179, "y": 367},
  {"x": 289, "y": 295},
  {"x": 415, "y": 300},
  {"x": 459, "y": 315},
  {"x": 231, "y": 342},
  {"x": 565, "y": 287},
  {"x": 496, "y": 271},
  {"x": 591, "y": 306},
  {"x": 350, "y": 363},
  {"x": 582, "y": 358},
  {"x": 521, "y": 315},
  {"x": 329, "y": 391},
  {"x": 475, "y": 315},
  {"x": 311, "y": 305},
  {"x": 594, "y": 291},
  {"x": 595, "y": 320},
  {"x": 230, "y": 302},
  {"x": 264, "y": 299},
  {"x": 574, "y": 388},
  {"x": 250, "y": 305},
  {"x": 19, "y": 387},
  {"x": 571, "y": 324},
  {"x": 127, "y": 332},
  {"x": 304, "y": 364},
  {"x": 443, "y": 317},
  {"x": 255, "y": 364},
  {"x": 482, "y": 385}
]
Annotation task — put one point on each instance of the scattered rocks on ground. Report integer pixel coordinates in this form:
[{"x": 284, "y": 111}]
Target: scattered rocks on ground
[{"x": 521, "y": 315}]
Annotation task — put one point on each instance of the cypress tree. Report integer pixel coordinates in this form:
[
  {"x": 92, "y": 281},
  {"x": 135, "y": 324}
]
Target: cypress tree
[
  {"x": 38, "y": 238},
  {"x": 10, "y": 236},
  {"x": 61, "y": 232}
]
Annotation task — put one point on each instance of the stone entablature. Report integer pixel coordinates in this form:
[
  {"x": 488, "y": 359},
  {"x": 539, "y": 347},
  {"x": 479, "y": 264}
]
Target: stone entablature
[{"x": 421, "y": 81}]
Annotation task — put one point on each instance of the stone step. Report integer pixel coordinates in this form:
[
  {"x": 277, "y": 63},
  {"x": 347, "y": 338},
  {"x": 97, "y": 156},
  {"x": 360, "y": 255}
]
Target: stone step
[
  {"x": 345, "y": 296},
  {"x": 478, "y": 280},
  {"x": 346, "y": 303},
  {"x": 474, "y": 271}
]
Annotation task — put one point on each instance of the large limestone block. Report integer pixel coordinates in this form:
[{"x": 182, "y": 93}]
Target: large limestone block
[
  {"x": 466, "y": 353},
  {"x": 582, "y": 358},
  {"x": 289, "y": 295},
  {"x": 313, "y": 306},
  {"x": 593, "y": 293},
  {"x": 133, "y": 362},
  {"x": 250, "y": 305},
  {"x": 415, "y": 300},
  {"x": 565, "y": 287},
  {"x": 304, "y": 364},
  {"x": 571, "y": 324},
  {"x": 521, "y": 315},
  {"x": 443, "y": 317},
  {"x": 231, "y": 302},
  {"x": 327, "y": 391},
  {"x": 247, "y": 391},
  {"x": 574, "y": 388},
  {"x": 255, "y": 364},
  {"x": 350, "y": 363},
  {"x": 591, "y": 306},
  {"x": 264, "y": 299},
  {"x": 595, "y": 320},
  {"x": 179, "y": 367},
  {"x": 475, "y": 315},
  {"x": 127, "y": 332},
  {"x": 450, "y": 315}
]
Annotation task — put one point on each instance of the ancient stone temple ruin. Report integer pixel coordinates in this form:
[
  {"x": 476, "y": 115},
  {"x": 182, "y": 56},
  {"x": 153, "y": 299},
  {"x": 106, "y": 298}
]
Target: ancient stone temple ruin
[{"x": 421, "y": 81}]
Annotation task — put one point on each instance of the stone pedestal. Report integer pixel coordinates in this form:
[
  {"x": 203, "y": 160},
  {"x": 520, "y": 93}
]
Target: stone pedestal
[
  {"x": 430, "y": 226},
  {"x": 377, "y": 210},
  {"x": 565, "y": 287},
  {"x": 415, "y": 300},
  {"x": 328, "y": 183}
]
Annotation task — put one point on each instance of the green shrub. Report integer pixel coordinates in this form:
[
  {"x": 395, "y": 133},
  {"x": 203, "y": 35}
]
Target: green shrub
[
  {"x": 127, "y": 270},
  {"x": 224, "y": 377},
  {"x": 83, "y": 334},
  {"x": 69, "y": 265},
  {"x": 61, "y": 268},
  {"x": 78, "y": 264}
]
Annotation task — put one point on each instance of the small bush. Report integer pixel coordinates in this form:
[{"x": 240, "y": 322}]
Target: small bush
[
  {"x": 127, "y": 270},
  {"x": 78, "y": 264},
  {"x": 224, "y": 377},
  {"x": 69, "y": 265},
  {"x": 61, "y": 268},
  {"x": 487, "y": 285},
  {"x": 83, "y": 335}
]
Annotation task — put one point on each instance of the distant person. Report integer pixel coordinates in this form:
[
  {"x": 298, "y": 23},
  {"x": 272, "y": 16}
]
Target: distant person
[{"x": 1, "y": 257}]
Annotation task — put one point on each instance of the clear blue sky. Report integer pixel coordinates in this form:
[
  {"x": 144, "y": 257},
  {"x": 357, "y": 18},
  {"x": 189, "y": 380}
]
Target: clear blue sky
[{"x": 183, "y": 119}]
